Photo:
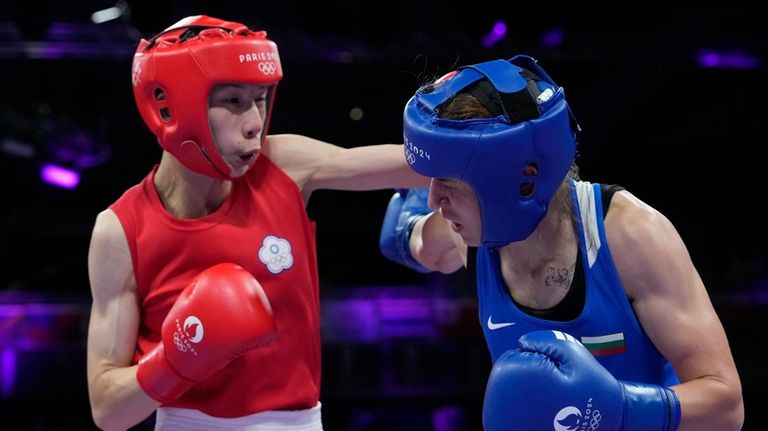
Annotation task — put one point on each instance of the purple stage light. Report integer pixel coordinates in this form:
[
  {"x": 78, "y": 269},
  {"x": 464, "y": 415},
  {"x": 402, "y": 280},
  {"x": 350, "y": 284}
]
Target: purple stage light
[
  {"x": 497, "y": 33},
  {"x": 448, "y": 418},
  {"x": 7, "y": 371},
  {"x": 31, "y": 330},
  {"x": 499, "y": 29},
  {"x": 386, "y": 312},
  {"x": 710, "y": 59},
  {"x": 553, "y": 37},
  {"x": 59, "y": 176}
]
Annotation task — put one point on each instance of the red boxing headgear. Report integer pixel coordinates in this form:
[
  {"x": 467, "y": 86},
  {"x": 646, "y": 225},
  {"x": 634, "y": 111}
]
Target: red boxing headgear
[{"x": 175, "y": 71}]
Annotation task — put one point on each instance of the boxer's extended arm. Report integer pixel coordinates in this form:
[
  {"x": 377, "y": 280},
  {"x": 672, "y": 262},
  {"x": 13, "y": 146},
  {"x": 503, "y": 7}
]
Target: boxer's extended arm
[
  {"x": 436, "y": 245},
  {"x": 405, "y": 209},
  {"x": 117, "y": 400},
  {"x": 674, "y": 309},
  {"x": 316, "y": 165},
  {"x": 414, "y": 236}
]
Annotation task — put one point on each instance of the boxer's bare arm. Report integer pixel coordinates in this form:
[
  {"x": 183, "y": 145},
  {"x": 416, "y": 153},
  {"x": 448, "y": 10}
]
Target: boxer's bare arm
[
  {"x": 436, "y": 245},
  {"x": 315, "y": 165},
  {"x": 117, "y": 401},
  {"x": 673, "y": 306}
]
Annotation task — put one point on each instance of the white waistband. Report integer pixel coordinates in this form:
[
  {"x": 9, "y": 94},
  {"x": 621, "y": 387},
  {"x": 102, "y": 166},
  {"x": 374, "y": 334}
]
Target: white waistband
[{"x": 178, "y": 419}]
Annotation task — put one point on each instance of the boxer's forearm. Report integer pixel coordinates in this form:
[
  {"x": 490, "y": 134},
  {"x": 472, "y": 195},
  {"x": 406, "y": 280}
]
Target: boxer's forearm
[{"x": 117, "y": 400}]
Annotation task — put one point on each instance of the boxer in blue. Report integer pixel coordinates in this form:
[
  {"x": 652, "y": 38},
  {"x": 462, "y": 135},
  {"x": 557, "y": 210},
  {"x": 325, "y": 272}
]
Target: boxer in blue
[{"x": 593, "y": 312}]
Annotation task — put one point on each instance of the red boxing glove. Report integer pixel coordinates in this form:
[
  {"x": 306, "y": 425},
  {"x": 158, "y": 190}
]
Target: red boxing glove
[{"x": 221, "y": 315}]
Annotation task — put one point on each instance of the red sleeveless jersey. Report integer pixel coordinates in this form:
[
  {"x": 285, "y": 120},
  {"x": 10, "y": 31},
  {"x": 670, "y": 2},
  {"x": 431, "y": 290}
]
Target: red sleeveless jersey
[{"x": 262, "y": 226}]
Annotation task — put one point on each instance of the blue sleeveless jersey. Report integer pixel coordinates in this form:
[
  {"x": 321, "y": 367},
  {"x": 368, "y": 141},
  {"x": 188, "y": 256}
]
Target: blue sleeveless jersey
[{"x": 607, "y": 325}]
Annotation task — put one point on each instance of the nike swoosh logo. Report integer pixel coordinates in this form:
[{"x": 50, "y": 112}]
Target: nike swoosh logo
[{"x": 494, "y": 326}]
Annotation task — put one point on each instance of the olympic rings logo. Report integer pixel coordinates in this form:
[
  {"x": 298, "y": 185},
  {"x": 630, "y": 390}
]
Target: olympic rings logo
[
  {"x": 178, "y": 342},
  {"x": 594, "y": 423},
  {"x": 409, "y": 157},
  {"x": 267, "y": 67},
  {"x": 191, "y": 332},
  {"x": 412, "y": 152}
]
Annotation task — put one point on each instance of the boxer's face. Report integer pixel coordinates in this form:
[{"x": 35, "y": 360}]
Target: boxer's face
[
  {"x": 458, "y": 203},
  {"x": 236, "y": 114}
]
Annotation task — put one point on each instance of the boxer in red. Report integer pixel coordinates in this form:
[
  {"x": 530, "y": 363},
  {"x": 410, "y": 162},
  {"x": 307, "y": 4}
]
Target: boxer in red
[{"x": 204, "y": 275}]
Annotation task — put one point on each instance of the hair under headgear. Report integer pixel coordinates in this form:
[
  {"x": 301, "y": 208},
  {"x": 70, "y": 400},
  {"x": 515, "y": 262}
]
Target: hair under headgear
[
  {"x": 175, "y": 71},
  {"x": 531, "y": 126}
]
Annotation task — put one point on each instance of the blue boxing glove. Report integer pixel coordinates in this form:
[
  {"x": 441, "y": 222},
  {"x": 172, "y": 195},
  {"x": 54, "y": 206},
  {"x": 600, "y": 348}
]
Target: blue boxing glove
[
  {"x": 405, "y": 208},
  {"x": 553, "y": 382}
]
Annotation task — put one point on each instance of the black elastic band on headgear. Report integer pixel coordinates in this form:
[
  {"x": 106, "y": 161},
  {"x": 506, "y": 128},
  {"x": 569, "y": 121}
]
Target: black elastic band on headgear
[{"x": 519, "y": 106}]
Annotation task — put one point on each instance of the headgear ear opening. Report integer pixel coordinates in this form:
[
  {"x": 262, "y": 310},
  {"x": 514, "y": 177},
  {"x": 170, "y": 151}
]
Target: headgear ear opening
[{"x": 494, "y": 155}]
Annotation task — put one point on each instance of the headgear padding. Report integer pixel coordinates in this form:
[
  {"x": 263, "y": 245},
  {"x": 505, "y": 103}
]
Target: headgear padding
[
  {"x": 532, "y": 125},
  {"x": 174, "y": 73}
]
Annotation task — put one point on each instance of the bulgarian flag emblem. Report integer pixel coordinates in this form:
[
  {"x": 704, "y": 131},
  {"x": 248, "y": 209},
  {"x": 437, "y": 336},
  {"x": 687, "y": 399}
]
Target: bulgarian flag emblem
[{"x": 603, "y": 345}]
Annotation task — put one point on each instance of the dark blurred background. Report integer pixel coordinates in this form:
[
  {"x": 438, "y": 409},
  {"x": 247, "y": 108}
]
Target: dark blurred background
[{"x": 671, "y": 101}]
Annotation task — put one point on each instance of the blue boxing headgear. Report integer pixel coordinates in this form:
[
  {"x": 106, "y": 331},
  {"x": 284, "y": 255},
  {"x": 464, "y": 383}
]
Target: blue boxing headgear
[{"x": 532, "y": 125}]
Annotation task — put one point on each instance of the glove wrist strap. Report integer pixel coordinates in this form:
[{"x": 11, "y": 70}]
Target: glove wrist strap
[{"x": 650, "y": 407}]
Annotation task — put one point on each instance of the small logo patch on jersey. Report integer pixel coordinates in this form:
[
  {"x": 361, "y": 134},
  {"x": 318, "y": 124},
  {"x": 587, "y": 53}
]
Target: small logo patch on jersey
[
  {"x": 494, "y": 326},
  {"x": 604, "y": 345},
  {"x": 275, "y": 254}
]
